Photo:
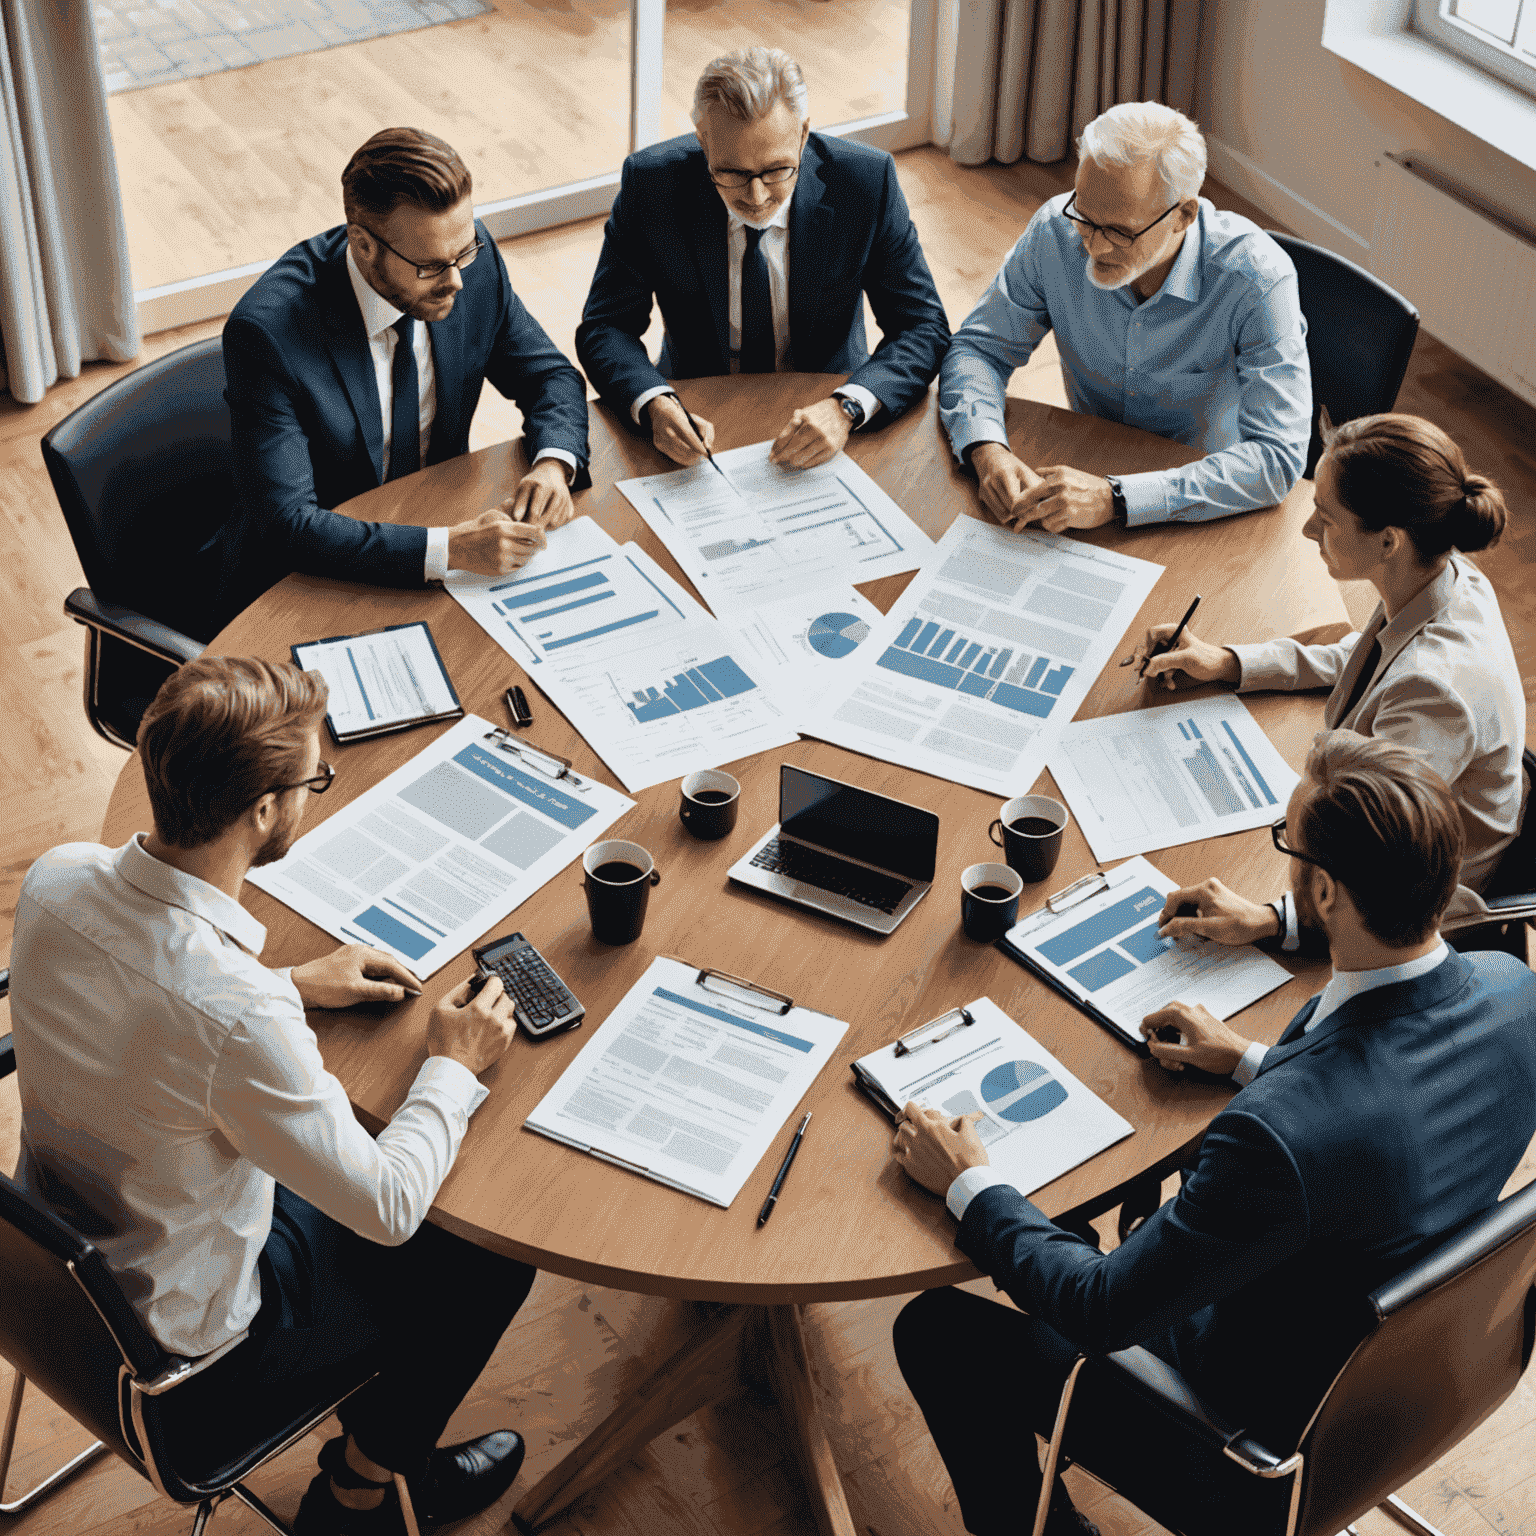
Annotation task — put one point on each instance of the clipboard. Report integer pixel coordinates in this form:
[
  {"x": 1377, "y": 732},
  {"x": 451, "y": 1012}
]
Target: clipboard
[
  {"x": 369, "y": 733},
  {"x": 935, "y": 1030},
  {"x": 539, "y": 759}
]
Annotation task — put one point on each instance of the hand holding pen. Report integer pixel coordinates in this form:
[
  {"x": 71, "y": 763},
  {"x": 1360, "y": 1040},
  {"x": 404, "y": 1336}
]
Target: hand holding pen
[
  {"x": 684, "y": 438},
  {"x": 1171, "y": 648}
]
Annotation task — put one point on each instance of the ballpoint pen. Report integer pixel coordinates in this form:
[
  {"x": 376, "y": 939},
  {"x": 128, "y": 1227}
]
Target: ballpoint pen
[
  {"x": 702, "y": 444},
  {"x": 1164, "y": 646},
  {"x": 778, "y": 1183}
]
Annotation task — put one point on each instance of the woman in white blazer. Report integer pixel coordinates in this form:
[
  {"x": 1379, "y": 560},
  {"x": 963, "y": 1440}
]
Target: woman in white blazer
[{"x": 1396, "y": 505}]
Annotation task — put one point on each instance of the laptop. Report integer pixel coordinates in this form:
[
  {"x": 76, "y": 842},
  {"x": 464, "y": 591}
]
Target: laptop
[{"x": 844, "y": 851}]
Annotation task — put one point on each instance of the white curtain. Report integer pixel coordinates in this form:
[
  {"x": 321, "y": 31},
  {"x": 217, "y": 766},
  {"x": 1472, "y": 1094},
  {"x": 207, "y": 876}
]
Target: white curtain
[
  {"x": 66, "y": 292},
  {"x": 1021, "y": 78}
]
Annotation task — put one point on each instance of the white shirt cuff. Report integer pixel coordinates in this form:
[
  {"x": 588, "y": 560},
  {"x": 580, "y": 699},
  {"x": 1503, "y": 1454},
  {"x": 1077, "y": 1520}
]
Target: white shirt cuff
[
  {"x": 454, "y": 1079},
  {"x": 861, "y": 396},
  {"x": 1248, "y": 1068},
  {"x": 568, "y": 459},
  {"x": 641, "y": 401},
  {"x": 968, "y": 1185},
  {"x": 437, "y": 554}
]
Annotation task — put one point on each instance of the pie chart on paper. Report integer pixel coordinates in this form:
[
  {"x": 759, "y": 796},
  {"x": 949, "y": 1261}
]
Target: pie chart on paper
[
  {"x": 835, "y": 635},
  {"x": 1021, "y": 1091}
]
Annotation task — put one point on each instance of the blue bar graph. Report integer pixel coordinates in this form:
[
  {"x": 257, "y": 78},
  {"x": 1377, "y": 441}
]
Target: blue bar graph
[
  {"x": 1036, "y": 672},
  {"x": 971, "y": 653},
  {"x": 1055, "y": 680},
  {"x": 1195, "y": 731},
  {"x": 1001, "y": 664},
  {"x": 925, "y": 637},
  {"x": 906, "y": 637},
  {"x": 950, "y": 658},
  {"x": 940, "y": 645},
  {"x": 557, "y": 589},
  {"x": 707, "y": 683},
  {"x": 1258, "y": 778}
]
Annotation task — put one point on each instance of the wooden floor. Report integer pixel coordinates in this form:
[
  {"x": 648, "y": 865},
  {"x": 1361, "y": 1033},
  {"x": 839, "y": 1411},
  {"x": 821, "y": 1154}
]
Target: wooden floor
[
  {"x": 573, "y": 1347},
  {"x": 532, "y": 94}
]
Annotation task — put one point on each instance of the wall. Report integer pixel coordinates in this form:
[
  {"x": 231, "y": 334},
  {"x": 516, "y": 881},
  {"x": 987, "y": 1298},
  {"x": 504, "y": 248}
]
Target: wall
[{"x": 1299, "y": 131}]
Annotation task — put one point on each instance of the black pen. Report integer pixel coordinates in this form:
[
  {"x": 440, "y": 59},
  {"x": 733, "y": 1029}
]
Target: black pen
[
  {"x": 702, "y": 444},
  {"x": 517, "y": 706},
  {"x": 778, "y": 1183},
  {"x": 1163, "y": 646}
]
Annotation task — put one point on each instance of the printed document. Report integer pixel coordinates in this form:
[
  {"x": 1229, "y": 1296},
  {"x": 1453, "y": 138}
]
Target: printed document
[
  {"x": 1105, "y": 953},
  {"x": 380, "y": 681},
  {"x": 986, "y": 655},
  {"x": 751, "y": 532},
  {"x": 688, "y": 1081},
  {"x": 655, "y": 685},
  {"x": 1038, "y": 1121},
  {"x": 1155, "y": 778},
  {"x": 431, "y": 857}
]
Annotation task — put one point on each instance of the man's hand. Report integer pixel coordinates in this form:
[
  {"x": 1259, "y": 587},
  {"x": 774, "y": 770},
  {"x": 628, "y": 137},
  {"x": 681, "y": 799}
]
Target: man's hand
[
  {"x": 936, "y": 1149},
  {"x": 1220, "y": 914},
  {"x": 493, "y": 543},
  {"x": 355, "y": 973},
  {"x": 1202, "y": 1040},
  {"x": 812, "y": 435},
  {"x": 673, "y": 436},
  {"x": 1003, "y": 480},
  {"x": 474, "y": 1031},
  {"x": 543, "y": 496},
  {"x": 1067, "y": 498},
  {"x": 1202, "y": 661}
]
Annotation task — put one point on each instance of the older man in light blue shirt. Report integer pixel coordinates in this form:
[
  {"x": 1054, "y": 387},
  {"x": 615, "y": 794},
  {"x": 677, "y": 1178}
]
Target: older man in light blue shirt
[{"x": 1169, "y": 314}]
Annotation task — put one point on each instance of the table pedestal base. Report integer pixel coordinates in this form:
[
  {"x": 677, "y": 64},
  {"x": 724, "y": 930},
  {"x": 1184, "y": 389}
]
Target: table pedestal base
[{"x": 735, "y": 1345}]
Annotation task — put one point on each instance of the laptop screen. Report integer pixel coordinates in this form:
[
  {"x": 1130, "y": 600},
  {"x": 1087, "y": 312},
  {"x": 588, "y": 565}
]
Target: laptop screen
[{"x": 858, "y": 823}]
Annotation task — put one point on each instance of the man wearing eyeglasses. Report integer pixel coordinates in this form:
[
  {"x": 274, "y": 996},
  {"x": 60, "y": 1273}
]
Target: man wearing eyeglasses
[
  {"x": 176, "y": 1111},
  {"x": 1393, "y": 1107},
  {"x": 1169, "y": 315},
  {"x": 359, "y": 357},
  {"x": 759, "y": 240}
]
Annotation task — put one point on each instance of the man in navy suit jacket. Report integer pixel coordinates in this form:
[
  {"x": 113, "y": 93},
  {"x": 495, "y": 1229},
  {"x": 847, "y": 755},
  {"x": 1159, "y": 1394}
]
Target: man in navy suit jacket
[
  {"x": 759, "y": 239},
  {"x": 319, "y": 383},
  {"x": 1396, "y": 1105}
]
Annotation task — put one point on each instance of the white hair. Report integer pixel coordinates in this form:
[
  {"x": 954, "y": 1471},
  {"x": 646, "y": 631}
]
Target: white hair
[
  {"x": 1138, "y": 131},
  {"x": 749, "y": 83}
]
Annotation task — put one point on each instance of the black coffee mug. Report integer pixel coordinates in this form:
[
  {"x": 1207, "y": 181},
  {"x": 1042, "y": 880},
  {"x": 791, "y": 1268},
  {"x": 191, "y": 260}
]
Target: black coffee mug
[
  {"x": 989, "y": 901},
  {"x": 618, "y": 879},
  {"x": 1029, "y": 832},
  {"x": 710, "y": 802}
]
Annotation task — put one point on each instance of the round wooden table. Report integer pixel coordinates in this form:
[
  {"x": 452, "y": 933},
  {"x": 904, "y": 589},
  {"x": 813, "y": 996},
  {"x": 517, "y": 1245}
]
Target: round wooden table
[{"x": 851, "y": 1224}]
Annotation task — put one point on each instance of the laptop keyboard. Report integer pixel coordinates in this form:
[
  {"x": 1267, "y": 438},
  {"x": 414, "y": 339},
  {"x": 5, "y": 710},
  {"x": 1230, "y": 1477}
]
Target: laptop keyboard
[{"x": 864, "y": 886}]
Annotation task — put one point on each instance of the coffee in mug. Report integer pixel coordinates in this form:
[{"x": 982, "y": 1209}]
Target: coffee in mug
[
  {"x": 1029, "y": 831},
  {"x": 618, "y": 877},
  {"x": 709, "y": 804},
  {"x": 989, "y": 901}
]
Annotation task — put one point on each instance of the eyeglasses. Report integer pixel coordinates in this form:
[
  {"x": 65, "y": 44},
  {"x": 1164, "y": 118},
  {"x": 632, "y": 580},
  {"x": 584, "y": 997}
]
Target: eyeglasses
[
  {"x": 434, "y": 268},
  {"x": 1121, "y": 239},
  {"x": 317, "y": 785},
  {"x": 774, "y": 176},
  {"x": 1276, "y": 833}
]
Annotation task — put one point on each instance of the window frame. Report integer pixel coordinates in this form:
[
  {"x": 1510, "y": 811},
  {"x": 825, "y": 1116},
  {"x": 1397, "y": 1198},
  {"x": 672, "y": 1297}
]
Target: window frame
[{"x": 1514, "y": 64}]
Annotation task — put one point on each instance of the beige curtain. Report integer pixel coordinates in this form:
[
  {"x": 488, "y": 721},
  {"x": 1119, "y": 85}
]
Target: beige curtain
[
  {"x": 66, "y": 292},
  {"x": 1021, "y": 78}
]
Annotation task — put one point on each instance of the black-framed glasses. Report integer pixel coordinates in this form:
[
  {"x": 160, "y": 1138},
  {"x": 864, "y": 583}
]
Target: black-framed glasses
[
  {"x": 317, "y": 785},
  {"x": 1121, "y": 239},
  {"x": 1277, "y": 835},
  {"x": 774, "y": 176},
  {"x": 433, "y": 268}
]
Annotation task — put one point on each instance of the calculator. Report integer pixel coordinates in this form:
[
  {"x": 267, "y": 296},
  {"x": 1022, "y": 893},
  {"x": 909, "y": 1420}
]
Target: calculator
[{"x": 541, "y": 1003}]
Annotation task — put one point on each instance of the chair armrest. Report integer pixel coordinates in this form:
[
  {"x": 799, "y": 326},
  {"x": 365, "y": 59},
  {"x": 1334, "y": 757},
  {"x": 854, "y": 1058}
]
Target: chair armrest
[
  {"x": 181, "y": 1369},
  {"x": 131, "y": 627}
]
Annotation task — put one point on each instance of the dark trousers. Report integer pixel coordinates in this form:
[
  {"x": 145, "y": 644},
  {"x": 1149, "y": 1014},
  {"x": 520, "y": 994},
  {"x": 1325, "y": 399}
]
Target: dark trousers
[{"x": 428, "y": 1313}]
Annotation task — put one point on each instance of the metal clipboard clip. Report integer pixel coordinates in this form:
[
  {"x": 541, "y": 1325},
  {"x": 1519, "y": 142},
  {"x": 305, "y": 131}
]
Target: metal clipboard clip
[
  {"x": 550, "y": 764},
  {"x": 909, "y": 1042},
  {"x": 1080, "y": 890},
  {"x": 752, "y": 994}
]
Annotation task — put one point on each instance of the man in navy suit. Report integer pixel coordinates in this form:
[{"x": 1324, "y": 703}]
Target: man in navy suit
[
  {"x": 1396, "y": 1105},
  {"x": 358, "y": 357},
  {"x": 759, "y": 239}
]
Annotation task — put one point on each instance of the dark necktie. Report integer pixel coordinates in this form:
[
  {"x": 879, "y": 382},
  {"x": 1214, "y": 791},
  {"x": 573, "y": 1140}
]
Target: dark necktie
[
  {"x": 758, "y": 353},
  {"x": 1363, "y": 680},
  {"x": 405, "y": 407}
]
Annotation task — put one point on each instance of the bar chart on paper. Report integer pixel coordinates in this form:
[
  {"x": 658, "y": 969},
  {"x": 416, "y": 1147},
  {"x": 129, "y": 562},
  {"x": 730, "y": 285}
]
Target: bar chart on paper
[
  {"x": 1155, "y": 778},
  {"x": 1018, "y": 680},
  {"x": 707, "y": 683}
]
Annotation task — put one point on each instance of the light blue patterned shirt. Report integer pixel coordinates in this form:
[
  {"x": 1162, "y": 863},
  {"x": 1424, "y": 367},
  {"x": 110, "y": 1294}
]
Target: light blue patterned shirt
[{"x": 1216, "y": 358}]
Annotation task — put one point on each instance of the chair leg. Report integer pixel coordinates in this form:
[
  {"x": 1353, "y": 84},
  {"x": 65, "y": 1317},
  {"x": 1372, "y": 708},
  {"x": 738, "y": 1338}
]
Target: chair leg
[
  {"x": 407, "y": 1509},
  {"x": 203, "y": 1516},
  {"x": 246, "y": 1497},
  {"x": 1053, "y": 1450},
  {"x": 1410, "y": 1518},
  {"x": 8, "y": 1444}
]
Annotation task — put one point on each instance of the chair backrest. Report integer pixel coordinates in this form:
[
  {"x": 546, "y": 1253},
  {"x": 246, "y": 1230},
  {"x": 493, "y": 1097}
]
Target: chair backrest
[
  {"x": 1360, "y": 335},
  {"x": 1453, "y": 1334},
  {"x": 1516, "y": 874},
  {"x": 144, "y": 475},
  {"x": 64, "y": 1321}
]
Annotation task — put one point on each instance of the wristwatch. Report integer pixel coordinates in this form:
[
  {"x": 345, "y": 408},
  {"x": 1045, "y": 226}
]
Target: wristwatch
[
  {"x": 853, "y": 411},
  {"x": 1119, "y": 498}
]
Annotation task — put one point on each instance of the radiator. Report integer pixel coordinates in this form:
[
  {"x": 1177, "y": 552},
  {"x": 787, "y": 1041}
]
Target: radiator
[{"x": 1471, "y": 273}]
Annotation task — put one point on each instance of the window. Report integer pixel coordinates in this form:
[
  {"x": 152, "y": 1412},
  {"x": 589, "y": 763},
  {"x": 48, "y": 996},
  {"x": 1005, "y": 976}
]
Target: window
[{"x": 1496, "y": 35}]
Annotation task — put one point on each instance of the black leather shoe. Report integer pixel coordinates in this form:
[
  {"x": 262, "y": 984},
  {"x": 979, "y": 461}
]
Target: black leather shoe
[{"x": 463, "y": 1479}]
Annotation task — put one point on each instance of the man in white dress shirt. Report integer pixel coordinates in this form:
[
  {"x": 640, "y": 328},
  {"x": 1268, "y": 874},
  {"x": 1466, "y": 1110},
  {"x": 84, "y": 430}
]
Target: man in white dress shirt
[{"x": 176, "y": 1111}]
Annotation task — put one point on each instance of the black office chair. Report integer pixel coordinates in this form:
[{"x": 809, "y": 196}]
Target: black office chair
[
  {"x": 1360, "y": 335},
  {"x": 1511, "y": 894},
  {"x": 1442, "y": 1346},
  {"x": 143, "y": 474}
]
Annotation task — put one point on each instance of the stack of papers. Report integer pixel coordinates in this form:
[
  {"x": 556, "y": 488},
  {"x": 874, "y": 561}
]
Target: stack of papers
[{"x": 382, "y": 681}]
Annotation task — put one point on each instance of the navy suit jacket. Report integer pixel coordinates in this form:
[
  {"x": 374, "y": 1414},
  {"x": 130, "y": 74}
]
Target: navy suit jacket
[
  {"x": 1400, "y": 1116},
  {"x": 307, "y": 432},
  {"x": 849, "y": 234}
]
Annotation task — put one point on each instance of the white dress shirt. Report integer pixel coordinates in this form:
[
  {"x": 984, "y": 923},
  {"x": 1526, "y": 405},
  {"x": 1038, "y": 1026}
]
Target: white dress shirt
[
  {"x": 775, "y": 248},
  {"x": 1342, "y": 986},
  {"x": 169, "y": 1080},
  {"x": 379, "y": 320}
]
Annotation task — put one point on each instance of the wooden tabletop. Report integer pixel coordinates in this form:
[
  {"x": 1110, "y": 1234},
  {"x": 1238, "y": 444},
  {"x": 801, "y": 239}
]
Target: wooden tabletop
[{"x": 850, "y": 1224}]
